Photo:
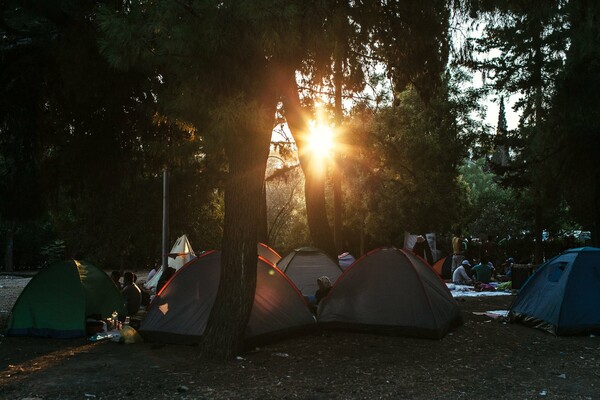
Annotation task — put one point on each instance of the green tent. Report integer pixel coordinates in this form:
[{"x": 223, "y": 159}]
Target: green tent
[{"x": 57, "y": 301}]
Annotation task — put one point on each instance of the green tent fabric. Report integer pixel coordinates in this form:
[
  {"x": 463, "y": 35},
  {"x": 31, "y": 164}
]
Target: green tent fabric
[{"x": 57, "y": 301}]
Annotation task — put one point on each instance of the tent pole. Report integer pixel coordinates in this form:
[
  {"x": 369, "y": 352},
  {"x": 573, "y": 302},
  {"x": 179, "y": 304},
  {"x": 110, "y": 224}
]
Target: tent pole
[{"x": 165, "y": 224}]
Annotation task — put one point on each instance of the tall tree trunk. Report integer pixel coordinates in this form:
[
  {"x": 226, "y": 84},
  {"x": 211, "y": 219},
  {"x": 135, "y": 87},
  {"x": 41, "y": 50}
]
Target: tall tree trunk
[
  {"x": 263, "y": 228},
  {"x": 539, "y": 92},
  {"x": 316, "y": 211},
  {"x": 247, "y": 150}
]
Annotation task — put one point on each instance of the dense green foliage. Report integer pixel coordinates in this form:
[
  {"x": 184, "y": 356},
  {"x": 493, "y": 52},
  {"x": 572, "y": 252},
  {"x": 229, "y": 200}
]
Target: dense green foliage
[{"x": 85, "y": 138}]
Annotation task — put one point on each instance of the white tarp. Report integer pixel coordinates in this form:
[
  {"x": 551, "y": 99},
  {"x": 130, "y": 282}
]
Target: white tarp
[{"x": 469, "y": 291}]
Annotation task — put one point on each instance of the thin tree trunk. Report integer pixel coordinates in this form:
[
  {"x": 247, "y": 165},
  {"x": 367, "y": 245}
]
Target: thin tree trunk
[
  {"x": 538, "y": 60},
  {"x": 338, "y": 230},
  {"x": 247, "y": 153}
]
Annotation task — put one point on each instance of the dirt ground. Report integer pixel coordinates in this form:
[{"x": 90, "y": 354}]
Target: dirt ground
[{"x": 485, "y": 358}]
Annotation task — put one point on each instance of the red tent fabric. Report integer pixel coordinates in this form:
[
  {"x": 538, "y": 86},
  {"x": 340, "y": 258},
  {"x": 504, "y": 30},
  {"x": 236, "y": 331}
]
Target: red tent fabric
[{"x": 443, "y": 267}]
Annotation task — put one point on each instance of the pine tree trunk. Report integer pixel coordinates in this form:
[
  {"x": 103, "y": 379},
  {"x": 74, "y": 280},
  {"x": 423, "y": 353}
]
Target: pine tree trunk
[{"x": 247, "y": 153}]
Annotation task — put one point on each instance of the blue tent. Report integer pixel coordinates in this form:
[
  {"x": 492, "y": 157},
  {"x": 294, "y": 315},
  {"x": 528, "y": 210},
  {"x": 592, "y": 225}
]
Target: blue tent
[{"x": 563, "y": 295}]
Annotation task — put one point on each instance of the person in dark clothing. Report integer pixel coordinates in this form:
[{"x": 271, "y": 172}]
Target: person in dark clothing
[
  {"x": 324, "y": 288},
  {"x": 164, "y": 278},
  {"x": 115, "y": 276},
  {"x": 422, "y": 249},
  {"x": 131, "y": 294}
]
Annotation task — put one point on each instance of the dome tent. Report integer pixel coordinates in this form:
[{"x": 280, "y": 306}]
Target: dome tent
[
  {"x": 305, "y": 265},
  {"x": 390, "y": 291},
  {"x": 563, "y": 295},
  {"x": 180, "y": 312},
  {"x": 60, "y": 297}
]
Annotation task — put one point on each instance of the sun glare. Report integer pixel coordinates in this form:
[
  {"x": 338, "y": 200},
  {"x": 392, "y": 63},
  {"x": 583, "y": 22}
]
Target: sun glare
[{"x": 321, "y": 140}]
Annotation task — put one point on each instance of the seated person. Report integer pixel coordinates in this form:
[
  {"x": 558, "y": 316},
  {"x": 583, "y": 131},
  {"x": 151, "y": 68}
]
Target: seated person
[
  {"x": 164, "y": 278},
  {"x": 115, "y": 276},
  {"x": 324, "y": 288},
  {"x": 483, "y": 271},
  {"x": 460, "y": 275},
  {"x": 131, "y": 294},
  {"x": 146, "y": 294}
]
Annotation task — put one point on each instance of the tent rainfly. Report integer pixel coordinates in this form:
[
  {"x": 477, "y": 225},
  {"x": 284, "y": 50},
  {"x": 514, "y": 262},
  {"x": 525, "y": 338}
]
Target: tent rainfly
[
  {"x": 180, "y": 311},
  {"x": 563, "y": 295},
  {"x": 390, "y": 291},
  {"x": 59, "y": 298},
  {"x": 268, "y": 253}
]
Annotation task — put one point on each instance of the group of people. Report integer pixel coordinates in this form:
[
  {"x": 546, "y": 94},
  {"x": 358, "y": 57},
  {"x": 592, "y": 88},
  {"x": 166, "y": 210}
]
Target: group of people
[{"x": 463, "y": 273}]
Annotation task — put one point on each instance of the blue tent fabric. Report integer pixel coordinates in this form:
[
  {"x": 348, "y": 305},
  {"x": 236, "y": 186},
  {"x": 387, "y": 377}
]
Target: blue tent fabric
[{"x": 563, "y": 295}]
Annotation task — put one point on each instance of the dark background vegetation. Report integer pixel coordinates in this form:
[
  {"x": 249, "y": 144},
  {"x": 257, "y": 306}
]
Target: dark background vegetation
[{"x": 83, "y": 144}]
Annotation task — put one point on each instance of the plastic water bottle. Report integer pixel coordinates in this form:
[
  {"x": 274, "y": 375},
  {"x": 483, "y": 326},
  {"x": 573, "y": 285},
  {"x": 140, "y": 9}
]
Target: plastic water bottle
[
  {"x": 115, "y": 320},
  {"x": 126, "y": 321}
]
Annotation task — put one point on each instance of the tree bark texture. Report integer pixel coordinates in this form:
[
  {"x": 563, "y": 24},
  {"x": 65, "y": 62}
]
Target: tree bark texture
[
  {"x": 247, "y": 151},
  {"x": 263, "y": 228}
]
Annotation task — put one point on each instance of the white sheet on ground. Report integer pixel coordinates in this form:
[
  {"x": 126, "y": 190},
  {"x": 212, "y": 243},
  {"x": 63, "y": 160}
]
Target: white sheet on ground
[{"x": 469, "y": 291}]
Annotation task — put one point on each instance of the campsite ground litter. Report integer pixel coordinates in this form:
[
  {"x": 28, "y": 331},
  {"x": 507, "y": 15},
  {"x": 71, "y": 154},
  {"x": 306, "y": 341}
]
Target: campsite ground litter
[{"x": 485, "y": 358}]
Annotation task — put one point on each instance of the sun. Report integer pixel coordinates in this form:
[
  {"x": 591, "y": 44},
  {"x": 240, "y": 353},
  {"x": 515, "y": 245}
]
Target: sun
[{"x": 321, "y": 141}]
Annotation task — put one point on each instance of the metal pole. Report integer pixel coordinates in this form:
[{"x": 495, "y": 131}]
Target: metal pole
[{"x": 165, "y": 225}]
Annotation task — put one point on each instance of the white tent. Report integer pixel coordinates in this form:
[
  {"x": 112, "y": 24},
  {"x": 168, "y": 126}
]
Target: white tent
[{"x": 180, "y": 254}]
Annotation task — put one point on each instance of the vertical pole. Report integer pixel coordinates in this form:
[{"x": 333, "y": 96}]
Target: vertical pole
[{"x": 165, "y": 224}]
